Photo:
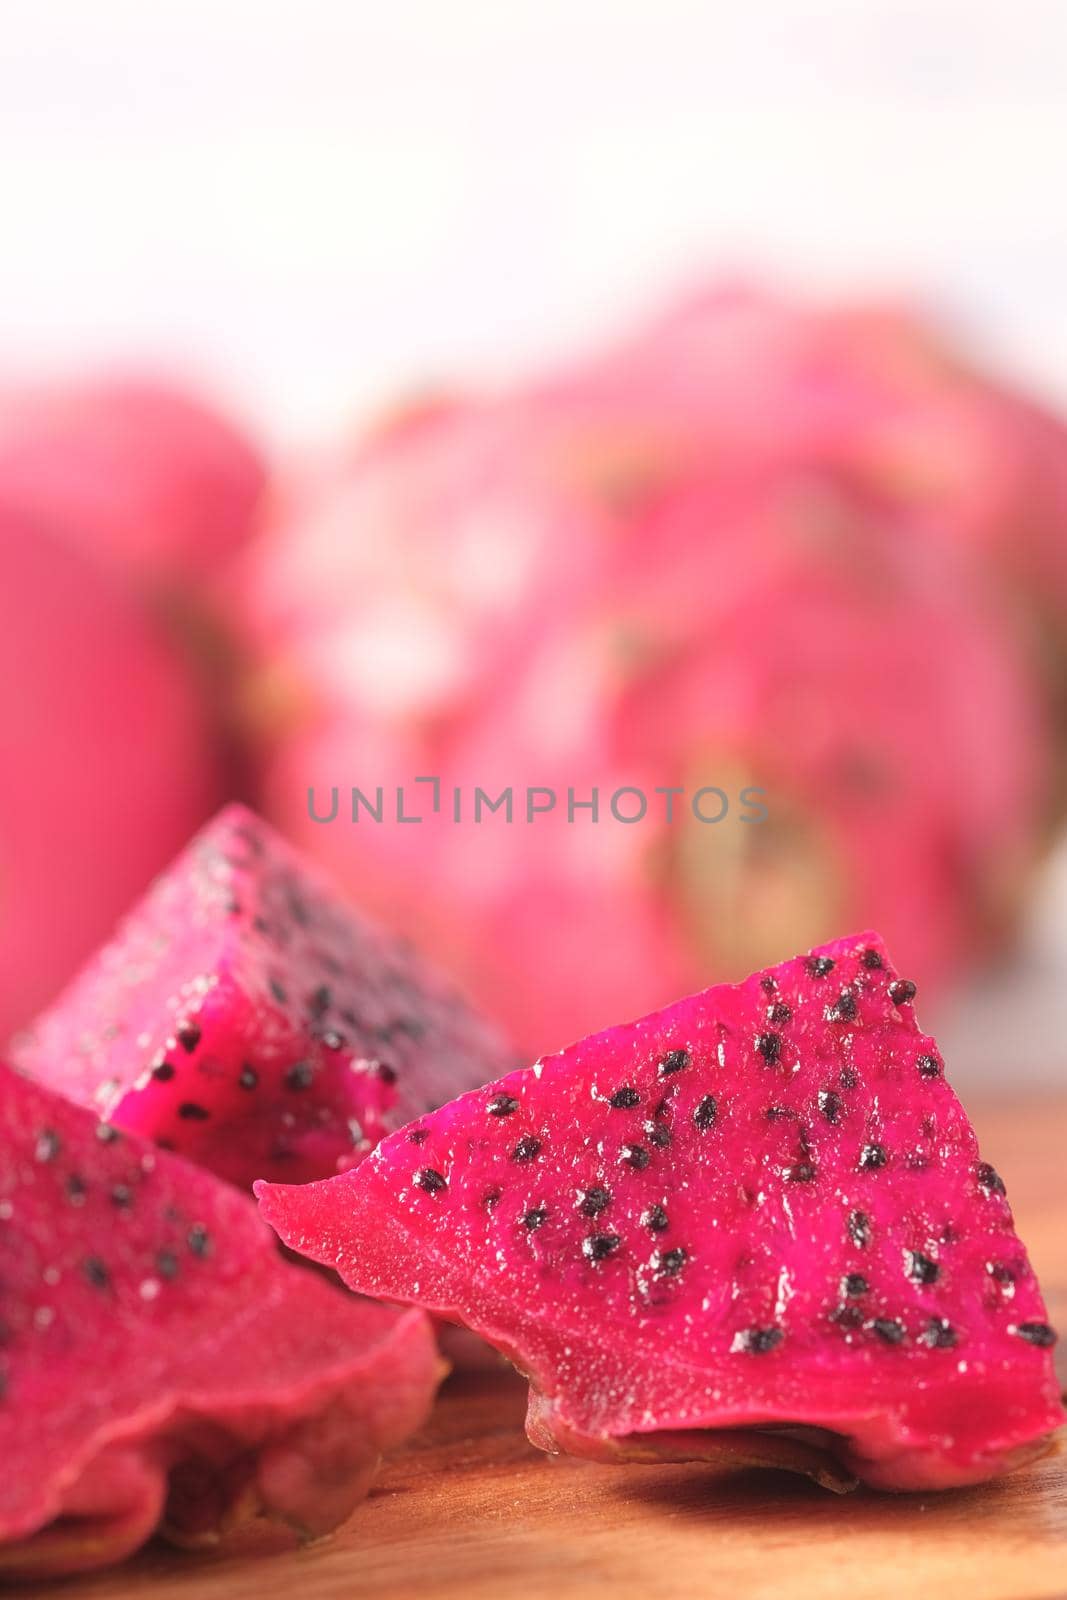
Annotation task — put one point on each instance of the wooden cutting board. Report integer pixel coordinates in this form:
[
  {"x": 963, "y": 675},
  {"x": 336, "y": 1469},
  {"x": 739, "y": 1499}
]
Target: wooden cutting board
[{"x": 469, "y": 1509}]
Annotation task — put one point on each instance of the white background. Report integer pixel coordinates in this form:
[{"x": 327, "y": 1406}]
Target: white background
[{"x": 314, "y": 205}]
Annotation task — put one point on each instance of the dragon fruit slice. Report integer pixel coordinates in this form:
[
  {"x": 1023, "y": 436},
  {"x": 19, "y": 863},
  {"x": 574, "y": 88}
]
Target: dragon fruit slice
[
  {"x": 247, "y": 1018},
  {"x": 160, "y": 1366},
  {"x": 757, "y": 1211}
]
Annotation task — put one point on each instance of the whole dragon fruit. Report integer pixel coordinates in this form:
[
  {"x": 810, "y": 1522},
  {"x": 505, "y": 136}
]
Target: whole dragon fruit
[
  {"x": 162, "y": 1369},
  {"x": 642, "y": 572},
  {"x": 653, "y": 678},
  {"x": 148, "y": 477},
  {"x": 757, "y": 1213},
  {"x": 246, "y": 1017},
  {"x": 107, "y": 762}
]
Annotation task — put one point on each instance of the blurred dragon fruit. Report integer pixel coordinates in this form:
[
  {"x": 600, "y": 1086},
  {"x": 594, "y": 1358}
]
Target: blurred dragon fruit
[
  {"x": 150, "y": 478},
  {"x": 703, "y": 558},
  {"x": 106, "y": 761}
]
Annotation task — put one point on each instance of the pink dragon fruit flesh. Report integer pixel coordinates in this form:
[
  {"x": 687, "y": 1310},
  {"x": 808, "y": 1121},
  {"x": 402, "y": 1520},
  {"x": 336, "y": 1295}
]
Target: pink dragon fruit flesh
[
  {"x": 161, "y": 1367},
  {"x": 245, "y": 1017},
  {"x": 753, "y": 1227}
]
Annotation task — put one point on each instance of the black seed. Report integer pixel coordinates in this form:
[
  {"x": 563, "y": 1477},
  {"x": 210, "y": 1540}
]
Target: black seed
[
  {"x": 769, "y": 1046},
  {"x": 778, "y": 1113},
  {"x": 658, "y": 1134},
  {"x": 859, "y": 1229},
  {"x": 819, "y": 966},
  {"x": 803, "y": 1172},
  {"x": 758, "y": 1341},
  {"x": 655, "y": 1219},
  {"x": 199, "y": 1240},
  {"x": 989, "y": 1179},
  {"x": 249, "y": 1078},
  {"x": 107, "y": 1133},
  {"x": 847, "y": 1078},
  {"x": 624, "y": 1098},
  {"x": 706, "y": 1112},
  {"x": 888, "y": 1329},
  {"x": 831, "y": 1105},
  {"x": 278, "y": 991},
  {"x": 873, "y": 1156},
  {"x": 122, "y": 1196},
  {"x": 872, "y": 959},
  {"x": 635, "y": 1155},
  {"x": 167, "y": 1264},
  {"x": 76, "y": 1190},
  {"x": 854, "y": 1284},
  {"x": 189, "y": 1036},
  {"x": 843, "y": 1008},
  {"x": 902, "y": 991},
  {"x": 768, "y": 984},
  {"x": 48, "y": 1145},
  {"x": 527, "y": 1148},
  {"x": 779, "y": 1012},
  {"x": 1000, "y": 1272},
  {"x": 419, "y": 1135},
  {"x": 384, "y": 1072},
  {"x": 321, "y": 1000},
  {"x": 668, "y": 1263},
  {"x": 502, "y": 1105},
  {"x": 164, "y": 1072},
  {"x": 533, "y": 1219},
  {"x": 929, "y": 1066},
  {"x": 300, "y": 1076},
  {"x": 920, "y": 1268},
  {"x": 673, "y": 1061},
  {"x": 594, "y": 1201},
  {"x": 938, "y": 1334},
  {"x": 96, "y": 1272},
  {"x": 189, "y": 1111},
  {"x": 1038, "y": 1333},
  {"x": 599, "y": 1245},
  {"x": 430, "y": 1179}
]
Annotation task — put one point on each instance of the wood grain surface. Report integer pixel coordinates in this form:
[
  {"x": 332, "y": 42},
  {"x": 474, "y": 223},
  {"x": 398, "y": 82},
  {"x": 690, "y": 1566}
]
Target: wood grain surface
[{"x": 470, "y": 1510}]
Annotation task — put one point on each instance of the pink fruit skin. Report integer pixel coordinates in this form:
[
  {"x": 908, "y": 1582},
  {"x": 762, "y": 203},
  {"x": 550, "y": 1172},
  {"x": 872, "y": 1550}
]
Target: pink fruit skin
[
  {"x": 148, "y": 477},
  {"x": 247, "y": 1017},
  {"x": 163, "y": 1369},
  {"x": 106, "y": 763},
  {"x": 746, "y": 518},
  {"x": 768, "y": 679},
  {"x": 771, "y": 1197}
]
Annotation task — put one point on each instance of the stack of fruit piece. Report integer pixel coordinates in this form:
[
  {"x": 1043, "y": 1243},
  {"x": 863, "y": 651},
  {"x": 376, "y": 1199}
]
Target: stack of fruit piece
[{"x": 768, "y": 1191}]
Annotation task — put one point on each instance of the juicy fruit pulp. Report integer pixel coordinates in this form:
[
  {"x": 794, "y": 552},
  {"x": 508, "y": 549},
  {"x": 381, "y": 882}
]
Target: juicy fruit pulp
[
  {"x": 758, "y": 1209},
  {"x": 160, "y": 1365},
  {"x": 247, "y": 1018}
]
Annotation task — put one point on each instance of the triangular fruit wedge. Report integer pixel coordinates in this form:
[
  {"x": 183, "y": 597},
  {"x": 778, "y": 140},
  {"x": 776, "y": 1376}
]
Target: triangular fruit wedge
[
  {"x": 752, "y": 1227},
  {"x": 245, "y": 1016},
  {"x": 162, "y": 1367}
]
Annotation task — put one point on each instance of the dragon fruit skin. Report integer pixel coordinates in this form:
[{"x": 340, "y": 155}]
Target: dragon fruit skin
[
  {"x": 146, "y": 476},
  {"x": 107, "y": 763},
  {"x": 567, "y": 925},
  {"x": 762, "y": 1208},
  {"x": 492, "y": 589},
  {"x": 246, "y": 1017},
  {"x": 163, "y": 1369}
]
